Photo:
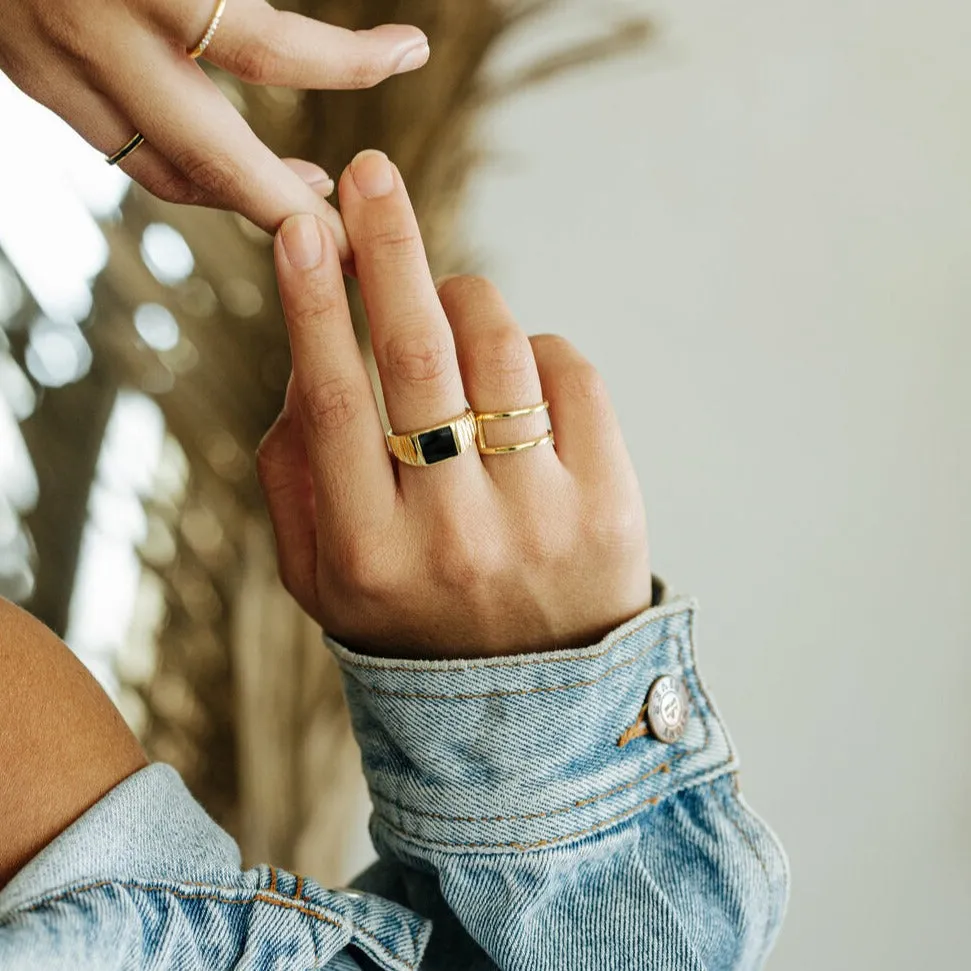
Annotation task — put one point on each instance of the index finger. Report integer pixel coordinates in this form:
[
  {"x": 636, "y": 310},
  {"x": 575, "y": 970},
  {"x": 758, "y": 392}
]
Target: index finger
[
  {"x": 186, "y": 118},
  {"x": 353, "y": 478}
]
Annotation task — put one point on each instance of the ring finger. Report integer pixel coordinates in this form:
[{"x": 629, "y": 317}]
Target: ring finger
[{"x": 499, "y": 373}]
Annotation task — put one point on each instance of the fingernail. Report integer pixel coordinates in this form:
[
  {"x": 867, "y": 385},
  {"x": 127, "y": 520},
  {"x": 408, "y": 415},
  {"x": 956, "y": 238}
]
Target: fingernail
[
  {"x": 372, "y": 174},
  {"x": 310, "y": 173},
  {"x": 301, "y": 242},
  {"x": 413, "y": 58}
]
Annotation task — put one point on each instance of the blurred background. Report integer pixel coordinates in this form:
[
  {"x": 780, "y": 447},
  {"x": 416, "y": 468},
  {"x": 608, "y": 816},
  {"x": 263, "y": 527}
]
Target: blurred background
[{"x": 763, "y": 211}]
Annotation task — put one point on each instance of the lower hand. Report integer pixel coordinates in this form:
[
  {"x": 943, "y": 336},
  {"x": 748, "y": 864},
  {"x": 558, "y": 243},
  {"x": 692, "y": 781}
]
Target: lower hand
[
  {"x": 118, "y": 67},
  {"x": 476, "y": 555}
]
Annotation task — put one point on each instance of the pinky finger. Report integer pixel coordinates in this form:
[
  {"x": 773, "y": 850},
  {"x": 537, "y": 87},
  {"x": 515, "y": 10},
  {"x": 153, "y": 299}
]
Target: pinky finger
[{"x": 587, "y": 433}]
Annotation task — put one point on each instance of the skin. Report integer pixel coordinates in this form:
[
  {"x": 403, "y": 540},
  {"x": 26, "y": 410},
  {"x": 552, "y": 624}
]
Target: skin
[
  {"x": 121, "y": 66},
  {"x": 476, "y": 556},
  {"x": 63, "y": 744}
]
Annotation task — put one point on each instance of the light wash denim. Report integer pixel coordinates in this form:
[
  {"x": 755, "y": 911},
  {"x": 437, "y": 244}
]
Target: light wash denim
[{"x": 514, "y": 832}]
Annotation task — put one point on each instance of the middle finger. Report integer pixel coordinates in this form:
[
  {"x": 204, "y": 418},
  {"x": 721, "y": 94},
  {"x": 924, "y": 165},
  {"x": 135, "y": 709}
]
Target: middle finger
[{"x": 411, "y": 336}]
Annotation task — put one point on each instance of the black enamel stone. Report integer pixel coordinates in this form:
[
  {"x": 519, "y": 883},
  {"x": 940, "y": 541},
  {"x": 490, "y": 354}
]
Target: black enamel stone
[{"x": 438, "y": 445}]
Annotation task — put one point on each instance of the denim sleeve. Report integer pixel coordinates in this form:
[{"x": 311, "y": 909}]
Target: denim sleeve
[
  {"x": 521, "y": 807},
  {"x": 146, "y": 881},
  {"x": 519, "y": 810}
]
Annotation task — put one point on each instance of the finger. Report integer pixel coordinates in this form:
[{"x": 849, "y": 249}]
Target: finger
[
  {"x": 284, "y": 473},
  {"x": 207, "y": 140},
  {"x": 317, "y": 178},
  {"x": 411, "y": 337},
  {"x": 107, "y": 129},
  {"x": 266, "y": 46},
  {"x": 353, "y": 477},
  {"x": 588, "y": 435},
  {"x": 498, "y": 372}
]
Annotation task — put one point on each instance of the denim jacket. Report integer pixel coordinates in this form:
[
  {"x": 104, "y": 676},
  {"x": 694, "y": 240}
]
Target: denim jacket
[{"x": 524, "y": 817}]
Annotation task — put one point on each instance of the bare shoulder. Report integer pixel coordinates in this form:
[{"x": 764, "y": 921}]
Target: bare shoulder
[{"x": 63, "y": 744}]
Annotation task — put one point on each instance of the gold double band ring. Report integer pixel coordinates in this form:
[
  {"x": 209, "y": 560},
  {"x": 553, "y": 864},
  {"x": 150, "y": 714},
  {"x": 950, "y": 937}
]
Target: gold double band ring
[
  {"x": 482, "y": 418},
  {"x": 137, "y": 139},
  {"x": 448, "y": 440}
]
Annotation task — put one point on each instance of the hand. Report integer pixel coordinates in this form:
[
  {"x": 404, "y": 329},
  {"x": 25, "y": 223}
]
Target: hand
[
  {"x": 474, "y": 556},
  {"x": 119, "y": 66}
]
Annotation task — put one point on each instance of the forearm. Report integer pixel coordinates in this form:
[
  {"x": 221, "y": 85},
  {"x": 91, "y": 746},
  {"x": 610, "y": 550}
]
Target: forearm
[{"x": 63, "y": 744}]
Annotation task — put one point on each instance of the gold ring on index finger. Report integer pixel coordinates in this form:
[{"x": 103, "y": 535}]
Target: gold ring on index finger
[
  {"x": 484, "y": 417},
  {"x": 207, "y": 37}
]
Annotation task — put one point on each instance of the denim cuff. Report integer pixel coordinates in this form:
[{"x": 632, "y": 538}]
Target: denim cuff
[{"x": 516, "y": 754}]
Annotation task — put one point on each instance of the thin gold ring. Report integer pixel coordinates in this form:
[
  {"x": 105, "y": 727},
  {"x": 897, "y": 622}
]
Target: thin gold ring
[
  {"x": 207, "y": 37},
  {"x": 125, "y": 149},
  {"x": 546, "y": 439},
  {"x": 437, "y": 443},
  {"x": 483, "y": 417}
]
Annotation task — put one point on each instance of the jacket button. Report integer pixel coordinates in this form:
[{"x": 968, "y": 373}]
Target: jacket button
[{"x": 667, "y": 709}]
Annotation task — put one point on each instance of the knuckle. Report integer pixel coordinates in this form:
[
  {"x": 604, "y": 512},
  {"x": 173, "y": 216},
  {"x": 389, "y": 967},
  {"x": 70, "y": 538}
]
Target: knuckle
[
  {"x": 458, "y": 564},
  {"x": 171, "y": 187},
  {"x": 255, "y": 61},
  {"x": 215, "y": 174},
  {"x": 582, "y": 382},
  {"x": 330, "y": 404},
  {"x": 395, "y": 244},
  {"x": 551, "y": 347},
  {"x": 616, "y": 527},
  {"x": 503, "y": 355},
  {"x": 66, "y": 26},
  {"x": 309, "y": 310},
  {"x": 365, "y": 72},
  {"x": 419, "y": 358},
  {"x": 468, "y": 289},
  {"x": 364, "y": 565}
]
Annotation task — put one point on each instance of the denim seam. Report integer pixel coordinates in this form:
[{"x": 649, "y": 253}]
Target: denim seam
[
  {"x": 518, "y": 662},
  {"x": 627, "y": 662},
  {"x": 730, "y": 814},
  {"x": 285, "y": 903},
  {"x": 579, "y": 805}
]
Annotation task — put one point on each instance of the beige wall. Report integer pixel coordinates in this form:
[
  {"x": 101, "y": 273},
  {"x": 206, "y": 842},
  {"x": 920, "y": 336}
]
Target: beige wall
[{"x": 761, "y": 234}]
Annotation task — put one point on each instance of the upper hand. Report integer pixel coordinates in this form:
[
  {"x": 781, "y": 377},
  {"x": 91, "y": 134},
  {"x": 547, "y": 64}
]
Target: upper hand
[
  {"x": 478, "y": 554},
  {"x": 115, "y": 67}
]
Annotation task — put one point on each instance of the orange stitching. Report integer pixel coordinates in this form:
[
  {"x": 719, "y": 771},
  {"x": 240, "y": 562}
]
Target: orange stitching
[
  {"x": 259, "y": 896},
  {"x": 299, "y": 890},
  {"x": 524, "y": 691},
  {"x": 639, "y": 729},
  {"x": 579, "y": 804},
  {"x": 539, "y": 844},
  {"x": 493, "y": 662},
  {"x": 272, "y": 879},
  {"x": 182, "y": 895}
]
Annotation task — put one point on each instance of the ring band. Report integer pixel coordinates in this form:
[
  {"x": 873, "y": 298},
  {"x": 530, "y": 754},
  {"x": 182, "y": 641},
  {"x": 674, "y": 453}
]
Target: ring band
[
  {"x": 546, "y": 439},
  {"x": 125, "y": 149},
  {"x": 429, "y": 446},
  {"x": 207, "y": 37},
  {"x": 483, "y": 417}
]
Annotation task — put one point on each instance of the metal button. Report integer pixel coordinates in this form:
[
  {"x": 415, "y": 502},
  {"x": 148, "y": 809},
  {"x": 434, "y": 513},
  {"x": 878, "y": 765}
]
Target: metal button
[{"x": 667, "y": 709}]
